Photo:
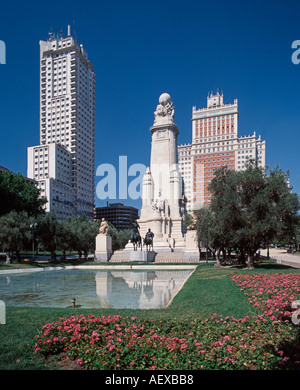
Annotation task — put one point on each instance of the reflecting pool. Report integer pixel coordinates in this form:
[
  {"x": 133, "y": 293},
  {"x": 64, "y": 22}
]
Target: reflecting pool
[{"x": 151, "y": 289}]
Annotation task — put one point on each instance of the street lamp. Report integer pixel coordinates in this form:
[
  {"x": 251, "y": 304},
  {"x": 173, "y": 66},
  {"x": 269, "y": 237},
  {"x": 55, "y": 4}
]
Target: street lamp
[{"x": 33, "y": 227}]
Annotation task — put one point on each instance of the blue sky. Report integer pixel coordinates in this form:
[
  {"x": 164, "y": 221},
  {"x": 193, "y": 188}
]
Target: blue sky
[{"x": 140, "y": 49}]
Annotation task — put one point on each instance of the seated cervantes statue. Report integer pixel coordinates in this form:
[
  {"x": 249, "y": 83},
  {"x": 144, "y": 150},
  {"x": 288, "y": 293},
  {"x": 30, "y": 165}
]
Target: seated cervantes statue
[
  {"x": 103, "y": 227},
  {"x": 158, "y": 203}
]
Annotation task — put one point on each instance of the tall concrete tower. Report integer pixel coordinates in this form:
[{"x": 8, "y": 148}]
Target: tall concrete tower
[{"x": 67, "y": 118}]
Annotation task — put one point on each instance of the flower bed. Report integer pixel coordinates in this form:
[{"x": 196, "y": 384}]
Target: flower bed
[
  {"x": 114, "y": 342},
  {"x": 272, "y": 294}
]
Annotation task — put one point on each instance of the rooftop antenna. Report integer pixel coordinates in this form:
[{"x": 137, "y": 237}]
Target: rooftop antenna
[
  {"x": 50, "y": 34},
  {"x": 74, "y": 31}
]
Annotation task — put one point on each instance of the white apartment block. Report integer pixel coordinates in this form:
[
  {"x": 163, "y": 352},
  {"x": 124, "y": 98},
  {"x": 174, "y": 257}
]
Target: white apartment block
[
  {"x": 67, "y": 119},
  {"x": 215, "y": 143},
  {"x": 50, "y": 166}
]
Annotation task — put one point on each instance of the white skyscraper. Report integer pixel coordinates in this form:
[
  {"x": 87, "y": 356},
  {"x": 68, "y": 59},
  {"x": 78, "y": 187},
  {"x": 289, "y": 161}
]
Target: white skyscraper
[{"x": 67, "y": 120}]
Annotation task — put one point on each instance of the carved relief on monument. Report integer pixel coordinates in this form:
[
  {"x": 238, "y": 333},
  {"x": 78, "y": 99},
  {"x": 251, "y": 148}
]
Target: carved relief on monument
[{"x": 164, "y": 110}]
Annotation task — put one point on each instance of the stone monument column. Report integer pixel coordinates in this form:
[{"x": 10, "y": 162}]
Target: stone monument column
[{"x": 162, "y": 183}]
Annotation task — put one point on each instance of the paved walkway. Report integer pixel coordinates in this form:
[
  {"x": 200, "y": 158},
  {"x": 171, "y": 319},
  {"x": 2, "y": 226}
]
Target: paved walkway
[{"x": 282, "y": 257}]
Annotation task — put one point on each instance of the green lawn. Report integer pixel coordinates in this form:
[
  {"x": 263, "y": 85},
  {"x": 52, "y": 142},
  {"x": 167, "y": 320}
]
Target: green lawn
[{"x": 209, "y": 290}]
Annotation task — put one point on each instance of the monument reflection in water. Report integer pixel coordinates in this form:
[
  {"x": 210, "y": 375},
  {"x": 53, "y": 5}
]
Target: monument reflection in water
[
  {"x": 141, "y": 290},
  {"x": 93, "y": 289}
]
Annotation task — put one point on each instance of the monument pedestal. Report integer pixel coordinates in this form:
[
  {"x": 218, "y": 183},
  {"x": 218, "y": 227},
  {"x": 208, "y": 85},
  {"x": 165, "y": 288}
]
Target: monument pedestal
[
  {"x": 191, "y": 252},
  {"x": 142, "y": 255},
  {"x": 103, "y": 250}
]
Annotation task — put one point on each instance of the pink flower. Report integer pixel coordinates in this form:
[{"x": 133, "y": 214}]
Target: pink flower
[
  {"x": 229, "y": 359},
  {"x": 218, "y": 343}
]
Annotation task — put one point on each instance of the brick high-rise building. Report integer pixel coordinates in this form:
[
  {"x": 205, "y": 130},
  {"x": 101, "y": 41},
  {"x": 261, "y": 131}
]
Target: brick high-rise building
[{"x": 215, "y": 143}]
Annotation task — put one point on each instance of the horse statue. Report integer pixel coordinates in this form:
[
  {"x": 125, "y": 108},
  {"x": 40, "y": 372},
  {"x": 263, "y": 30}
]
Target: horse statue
[
  {"x": 135, "y": 238},
  {"x": 148, "y": 240}
]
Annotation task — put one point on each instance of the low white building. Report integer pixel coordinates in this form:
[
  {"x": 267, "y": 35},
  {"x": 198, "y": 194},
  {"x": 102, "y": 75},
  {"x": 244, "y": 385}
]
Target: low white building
[{"x": 50, "y": 166}]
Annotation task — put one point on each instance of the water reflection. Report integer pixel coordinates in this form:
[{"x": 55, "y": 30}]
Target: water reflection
[
  {"x": 92, "y": 289},
  {"x": 143, "y": 290}
]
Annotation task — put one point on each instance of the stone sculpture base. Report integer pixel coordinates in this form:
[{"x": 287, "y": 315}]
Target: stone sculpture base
[
  {"x": 191, "y": 252},
  {"x": 142, "y": 255},
  {"x": 103, "y": 250}
]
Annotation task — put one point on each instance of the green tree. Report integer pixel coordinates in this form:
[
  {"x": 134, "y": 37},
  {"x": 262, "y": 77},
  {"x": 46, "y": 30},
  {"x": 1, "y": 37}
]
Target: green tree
[
  {"x": 19, "y": 194},
  {"x": 123, "y": 237},
  {"x": 83, "y": 234},
  {"x": 187, "y": 219},
  {"x": 49, "y": 233},
  {"x": 89, "y": 230},
  {"x": 224, "y": 218},
  {"x": 66, "y": 237},
  {"x": 253, "y": 206},
  {"x": 113, "y": 232},
  {"x": 297, "y": 235},
  {"x": 204, "y": 228},
  {"x": 15, "y": 233}
]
